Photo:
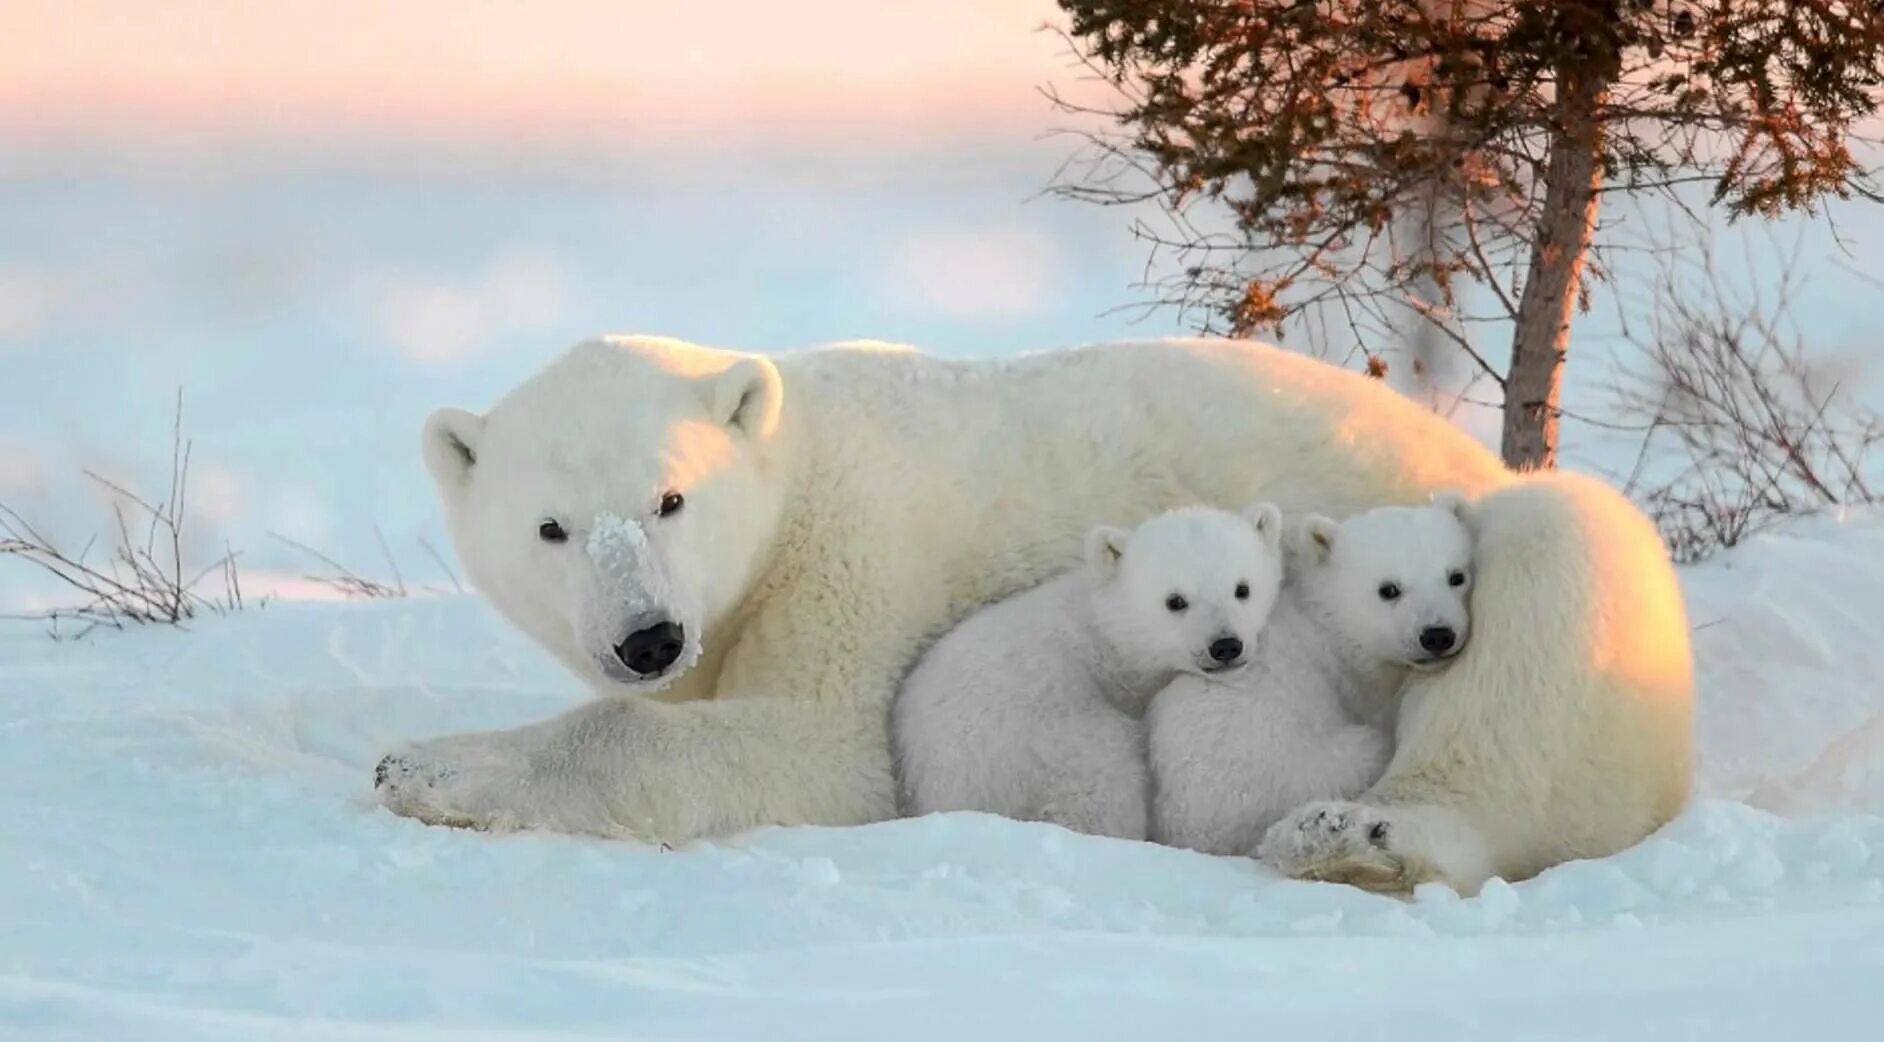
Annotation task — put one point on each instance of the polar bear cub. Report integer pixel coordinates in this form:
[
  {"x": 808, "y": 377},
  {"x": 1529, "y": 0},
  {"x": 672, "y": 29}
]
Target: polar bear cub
[
  {"x": 1310, "y": 717},
  {"x": 1034, "y": 707}
]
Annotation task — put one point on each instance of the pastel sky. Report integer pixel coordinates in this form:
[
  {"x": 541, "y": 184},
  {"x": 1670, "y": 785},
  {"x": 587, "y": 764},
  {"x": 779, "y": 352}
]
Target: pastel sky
[
  {"x": 552, "y": 67},
  {"x": 320, "y": 220}
]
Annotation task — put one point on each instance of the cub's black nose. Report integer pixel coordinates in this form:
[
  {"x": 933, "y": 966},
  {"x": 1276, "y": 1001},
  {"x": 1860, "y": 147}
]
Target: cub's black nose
[
  {"x": 1226, "y": 649},
  {"x": 1438, "y": 639},
  {"x": 649, "y": 651}
]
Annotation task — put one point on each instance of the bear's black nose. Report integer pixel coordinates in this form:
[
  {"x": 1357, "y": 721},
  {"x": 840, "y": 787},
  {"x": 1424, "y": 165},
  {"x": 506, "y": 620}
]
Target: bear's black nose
[
  {"x": 1226, "y": 649},
  {"x": 1438, "y": 639},
  {"x": 649, "y": 651}
]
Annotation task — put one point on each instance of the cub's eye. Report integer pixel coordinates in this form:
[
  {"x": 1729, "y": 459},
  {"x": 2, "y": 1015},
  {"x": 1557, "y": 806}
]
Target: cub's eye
[
  {"x": 671, "y": 504},
  {"x": 1176, "y": 603},
  {"x": 1242, "y": 591},
  {"x": 1389, "y": 591},
  {"x": 1456, "y": 579},
  {"x": 551, "y": 532}
]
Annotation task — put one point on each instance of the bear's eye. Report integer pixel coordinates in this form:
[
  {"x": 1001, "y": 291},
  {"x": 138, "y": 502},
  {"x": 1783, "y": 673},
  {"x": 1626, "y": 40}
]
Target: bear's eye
[
  {"x": 1242, "y": 591},
  {"x": 1389, "y": 591},
  {"x": 1176, "y": 603},
  {"x": 551, "y": 532},
  {"x": 671, "y": 504},
  {"x": 1456, "y": 579}
]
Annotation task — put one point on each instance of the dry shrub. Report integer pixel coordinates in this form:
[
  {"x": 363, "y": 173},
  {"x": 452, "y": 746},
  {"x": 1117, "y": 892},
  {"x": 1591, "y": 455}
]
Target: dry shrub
[
  {"x": 1742, "y": 425},
  {"x": 144, "y": 580}
]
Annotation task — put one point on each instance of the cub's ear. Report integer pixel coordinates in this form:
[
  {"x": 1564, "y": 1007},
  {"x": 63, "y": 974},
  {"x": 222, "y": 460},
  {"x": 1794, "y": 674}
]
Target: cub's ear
[
  {"x": 1266, "y": 518},
  {"x": 1453, "y": 500},
  {"x": 1105, "y": 546},
  {"x": 747, "y": 396},
  {"x": 450, "y": 445},
  {"x": 1318, "y": 536}
]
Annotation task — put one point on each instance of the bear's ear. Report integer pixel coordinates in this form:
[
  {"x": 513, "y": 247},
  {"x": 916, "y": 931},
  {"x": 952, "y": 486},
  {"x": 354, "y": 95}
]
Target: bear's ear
[
  {"x": 1105, "y": 545},
  {"x": 748, "y": 396},
  {"x": 451, "y": 445},
  {"x": 1318, "y": 536},
  {"x": 1266, "y": 518}
]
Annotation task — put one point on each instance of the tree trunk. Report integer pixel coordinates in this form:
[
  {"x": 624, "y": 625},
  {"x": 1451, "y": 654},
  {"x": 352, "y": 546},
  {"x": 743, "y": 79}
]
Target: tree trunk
[{"x": 1542, "y": 339}]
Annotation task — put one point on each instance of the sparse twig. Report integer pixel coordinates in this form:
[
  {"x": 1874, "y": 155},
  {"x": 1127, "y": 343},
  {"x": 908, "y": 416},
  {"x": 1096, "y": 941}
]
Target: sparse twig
[
  {"x": 1740, "y": 427},
  {"x": 399, "y": 581},
  {"x": 345, "y": 580},
  {"x": 439, "y": 559},
  {"x": 351, "y": 584},
  {"x": 143, "y": 581}
]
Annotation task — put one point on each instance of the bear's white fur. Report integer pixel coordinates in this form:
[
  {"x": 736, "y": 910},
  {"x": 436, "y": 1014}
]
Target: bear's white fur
[
  {"x": 1034, "y": 707},
  {"x": 1309, "y": 718},
  {"x": 845, "y": 506},
  {"x": 1576, "y": 615}
]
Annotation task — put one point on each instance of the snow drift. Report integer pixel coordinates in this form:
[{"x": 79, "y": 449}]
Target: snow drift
[{"x": 188, "y": 849}]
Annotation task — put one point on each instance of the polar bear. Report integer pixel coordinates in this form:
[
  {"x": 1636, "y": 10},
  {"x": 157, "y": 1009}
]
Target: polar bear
[
  {"x": 1034, "y": 707},
  {"x": 1604, "y": 647},
  {"x": 1310, "y": 717},
  {"x": 811, "y": 521}
]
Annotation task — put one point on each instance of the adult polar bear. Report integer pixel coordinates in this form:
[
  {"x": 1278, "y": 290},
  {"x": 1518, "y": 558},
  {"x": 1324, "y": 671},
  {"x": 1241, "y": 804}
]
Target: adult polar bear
[{"x": 743, "y": 557}]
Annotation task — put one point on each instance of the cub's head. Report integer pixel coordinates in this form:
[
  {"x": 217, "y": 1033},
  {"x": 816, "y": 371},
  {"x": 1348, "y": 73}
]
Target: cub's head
[
  {"x": 617, "y": 505},
  {"x": 1395, "y": 580},
  {"x": 1190, "y": 589}
]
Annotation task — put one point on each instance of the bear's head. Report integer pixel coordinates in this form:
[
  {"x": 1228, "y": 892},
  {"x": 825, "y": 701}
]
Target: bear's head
[
  {"x": 1189, "y": 590},
  {"x": 618, "y": 504},
  {"x": 1394, "y": 580}
]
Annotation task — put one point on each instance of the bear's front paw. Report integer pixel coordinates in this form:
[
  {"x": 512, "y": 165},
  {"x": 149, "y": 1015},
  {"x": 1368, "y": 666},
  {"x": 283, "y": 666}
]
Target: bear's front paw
[
  {"x": 449, "y": 781},
  {"x": 1338, "y": 842}
]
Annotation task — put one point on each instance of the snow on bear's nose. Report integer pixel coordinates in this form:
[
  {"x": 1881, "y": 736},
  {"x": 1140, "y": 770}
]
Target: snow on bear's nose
[{"x": 618, "y": 547}]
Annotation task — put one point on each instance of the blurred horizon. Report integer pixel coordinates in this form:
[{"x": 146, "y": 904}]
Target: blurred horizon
[{"x": 319, "y": 221}]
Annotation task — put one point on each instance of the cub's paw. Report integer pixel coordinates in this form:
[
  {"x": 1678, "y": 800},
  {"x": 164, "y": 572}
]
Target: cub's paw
[{"x": 1338, "y": 842}]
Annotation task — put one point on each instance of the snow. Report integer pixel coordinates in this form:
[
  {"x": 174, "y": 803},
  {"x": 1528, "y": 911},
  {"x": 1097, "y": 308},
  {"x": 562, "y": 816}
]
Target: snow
[
  {"x": 615, "y": 536},
  {"x": 618, "y": 546},
  {"x": 189, "y": 850}
]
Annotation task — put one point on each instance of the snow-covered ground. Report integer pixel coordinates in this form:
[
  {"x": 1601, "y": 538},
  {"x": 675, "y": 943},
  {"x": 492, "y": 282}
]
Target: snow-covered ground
[{"x": 188, "y": 850}]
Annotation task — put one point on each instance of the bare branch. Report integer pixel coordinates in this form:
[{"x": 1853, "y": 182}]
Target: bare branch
[{"x": 131, "y": 586}]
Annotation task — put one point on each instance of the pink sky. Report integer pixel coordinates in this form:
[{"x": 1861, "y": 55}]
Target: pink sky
[{"x": 553, "y": 67}]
